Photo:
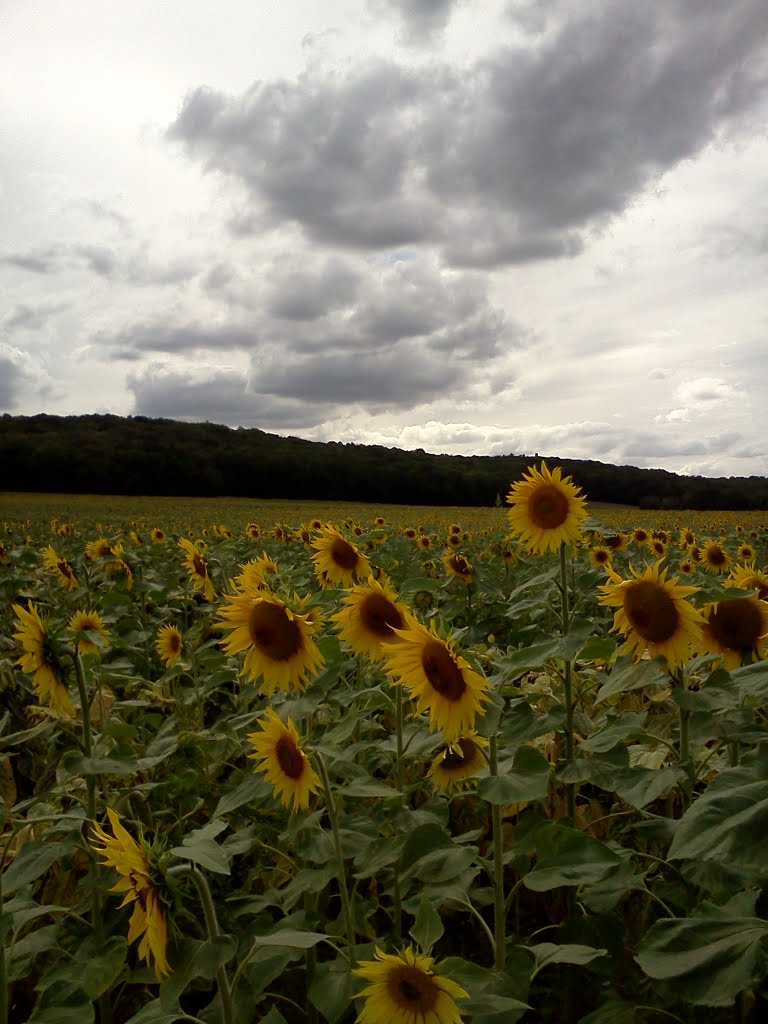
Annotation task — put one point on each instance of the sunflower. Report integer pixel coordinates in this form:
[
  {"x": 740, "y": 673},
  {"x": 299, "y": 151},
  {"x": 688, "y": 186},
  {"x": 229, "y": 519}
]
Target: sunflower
[
  {"x": 653, "y": 614},
  {"x": 64, "y": 572},
  {"x": 253, "y": 531},
  {"x": 640, "y": 536},
  {"x": 5, "y": 558},
  {"x": 687, "y": 538},
  {"x": 157, "y": 536},
  {"x": 102, "y": 548},
  {"x": 599, "y": 556},
  {"x": 746, "y": 553},
  {"x": 283, "y": 762},
  {"x": 130, "y": 859},
  {"x": 84, "y": 622},
  {"x": 457, "y": 762},
  {"x": 737, "y": 629},
  {"x": 168, "y": 644},
  {"x": 371, "y": 614},
  {"x": 458, "y": 566},
  {"x": 694, "y": 552},
  {"x": 455, "y": 529},
  {"x": 658, "y": 547},
  {"x": 251, "y": 576},
  {"x": 276, "y": 636},
  {"x": 338, "y": 558},
  {"x": 714, "y": 557},
  {"x": 403, "y": 989},
  {"x": 686, "y": 568},
  {"x": 547, "y": 509},
  {"x": 453, "y": 540},
  {"x": 615, "y": 542},
  {"x": 745, "y": 577},
  {"x": 410, "y": 533},
  {"x": 439, "y": 680},
  {"x": 197, "y": 567},
  {"x": 423, "y": 542},
  {"x": 39, "y": 661}
]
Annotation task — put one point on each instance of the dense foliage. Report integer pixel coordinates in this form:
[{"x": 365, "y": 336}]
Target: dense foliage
[
  {"x": 592, "y": 850},
  {"x": 136, "y": 455}
]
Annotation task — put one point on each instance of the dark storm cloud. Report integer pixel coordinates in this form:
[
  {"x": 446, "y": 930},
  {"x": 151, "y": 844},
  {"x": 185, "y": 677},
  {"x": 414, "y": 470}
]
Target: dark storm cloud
[
  {"x": 10, "y": 378},
  {"x": 421, "y": 20},
  {"x": 514, "y": 159},
  {"x": 223, "y": 397}
]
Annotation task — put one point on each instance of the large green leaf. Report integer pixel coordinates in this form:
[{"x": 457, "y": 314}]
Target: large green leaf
[
  {"x": 566, "y": 856},
  {"x": 616, "y": 729},
  {"x": 629, "y": 675},
  {"x": 428, "y": 927},
  {"x": 528, "y": 780},
  {"x": 32, "y": 861},
  {"x": 100, "y": 972},
  {"x": 333, "y": 989},
  {"x": 547, "y": 953}
]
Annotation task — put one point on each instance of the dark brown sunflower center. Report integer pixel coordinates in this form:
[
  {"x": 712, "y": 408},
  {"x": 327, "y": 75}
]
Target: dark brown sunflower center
[
  {"x": 343, "y": 554},
  {"x": 65, "y": 570},
  {"x": 651, "y": 611},
  {"x": 273, "y": 632},
  {"x": 600, "y": 556},
  {"x": 289, "y": 757},
  {"x": 548, "y": 507},
  {"x": 174, "y": 643},
  {"x": 612, "y": 542},
  {"x": 460, "y": 565},
  {"x": 736, "y": 624},
  {"x": 715, "y": 555},
  {"x": 412, "y": 990},
  {"x": 441, "y": 670},
  {"x": 200, "y": 567},
  {"x": 453, "y": 758},
  {"x": 380, "y": 616},
  {"x": 640, "y": 536}
]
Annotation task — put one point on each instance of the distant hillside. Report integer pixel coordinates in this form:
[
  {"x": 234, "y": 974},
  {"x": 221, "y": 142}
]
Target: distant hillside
[{"x": 137, "y": 455}]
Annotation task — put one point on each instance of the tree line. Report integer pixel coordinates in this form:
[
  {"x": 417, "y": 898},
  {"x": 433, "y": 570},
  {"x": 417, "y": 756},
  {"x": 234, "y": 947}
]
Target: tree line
[{"x": 104, "y": 454}]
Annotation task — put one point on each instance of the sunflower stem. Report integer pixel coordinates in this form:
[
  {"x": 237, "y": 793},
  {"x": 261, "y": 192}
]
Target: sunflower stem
[
  {"x": 499, "y": 908},
  {"x": 97, "y": 923},
  {"x": 3, "y": 967},
  {"x": 346, "y": 906},
  {"x": 684, "y": 750},
  {"x": 212, "y": 927},
  {"x": 565, "y": 624},
  {"x": 396, "y": 897}
]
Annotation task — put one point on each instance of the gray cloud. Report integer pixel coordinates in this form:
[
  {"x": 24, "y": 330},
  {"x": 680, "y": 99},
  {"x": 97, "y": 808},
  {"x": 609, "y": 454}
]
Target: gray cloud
[
  {"x": 422, "y": 21},
  {"x": 31, "y": 318},
  {"x": 163, "y": 335},
  {"x": 135, "y": 268},
  {"x": 10, "y": 378},
  {"x": 307, "y": 295},
  {"x": 45, "y": 261},
  {"x": 514, "y": 159},
  {"x": 218, "y": 397}
]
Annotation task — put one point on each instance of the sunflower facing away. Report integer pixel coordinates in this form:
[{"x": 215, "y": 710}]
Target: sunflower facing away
[
  {"x": 547, "y": 509},
  {"x": 737, "y": 630},
  {"x": 653, "y": 614},
  {"x": 197, "y": 567},
  {"x": 84, "y": 622},
  {"x": 122, "y": 852},
  {"x": 338, "y": 559},
  {"x": 168, "y": 644},
  {"x": 278, "y": 639},
  {"x": 38, "y": 660},
  {"x": 458, "y": 762},
  {"x": 61, "y": 567},
  {"x": 403, "y": 989},
  {"x": 371, "y": 615},
  {"x": 283, "y": 762},
  {"x": 438, "y": 679}
]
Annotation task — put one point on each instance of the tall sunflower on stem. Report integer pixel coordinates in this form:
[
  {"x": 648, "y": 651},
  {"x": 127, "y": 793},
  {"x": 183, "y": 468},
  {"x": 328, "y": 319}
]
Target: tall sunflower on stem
[
  {"x": 370, "y": 618},
  {"x": 282, "y": 761},
  {"x": 40, "y": 659},
  {"x": 337, "y": 560},
  {"x": 197, "y": 568},
  {"x": 547, "y": 509},
  {"x": 61, "y": 568}
]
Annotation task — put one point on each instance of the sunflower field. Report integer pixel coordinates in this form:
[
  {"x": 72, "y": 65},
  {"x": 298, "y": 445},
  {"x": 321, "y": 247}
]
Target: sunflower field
[{"x": 265, "y": 763}]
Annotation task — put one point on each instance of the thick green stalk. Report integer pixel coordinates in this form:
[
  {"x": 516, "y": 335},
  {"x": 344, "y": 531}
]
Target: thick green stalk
[
  {"x": 346, "y": 906},
  {"x": 212, "y": 927},
  {"x": 499, "y": 908},
  {"x": 565, "y": 624},
  {"x": 396, "y": 897}
]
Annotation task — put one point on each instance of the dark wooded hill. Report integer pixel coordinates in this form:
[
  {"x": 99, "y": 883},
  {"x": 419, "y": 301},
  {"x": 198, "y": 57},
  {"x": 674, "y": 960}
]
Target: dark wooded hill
[{"x": 137, "y": 455}]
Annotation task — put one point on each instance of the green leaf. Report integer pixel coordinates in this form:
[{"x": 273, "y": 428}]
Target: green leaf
[
  {"x": 428, "y": 927},
  {"x": 273, "y": 1017},
  {"x": 199, "y": 846},
  {"x": 528, "y": 780},
  {"x": 32, "y": 861},
  {"x": 597, "y": 648},
  {"x": 78, "y": 764},
  {"x": 566, "y": 856},
  {"x": 332, "y": 990},
  {"x": 618, "y": 728},
  {"x": 363, "y": 789},
  {"x": 515, "y": 665},
  {"x": 642, "y": 786},
  {"x": 547, "y": 953},
  {"x": 603, "y": 896},
  {"x": 153, "y": 1013},
  {"x": 629, "y": 675},
  {"x": 252, "y": 787},
  {"x": 709, "y": 960},
  {"x": 101, "y": 971},
  {"x": 290, "y": 937},
  {"x": 193, "y": 959}
]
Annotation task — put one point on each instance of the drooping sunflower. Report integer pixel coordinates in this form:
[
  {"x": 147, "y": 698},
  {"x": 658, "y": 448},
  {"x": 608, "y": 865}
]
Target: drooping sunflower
[
  {"x": 457, "y": 762},
  {"x": 736, "y": 629},
  {"x": 746, "y": 577},
  {"x": 168, "y": 644},
  {"x": 599, "y": 556},
  {"x": 714, "y": 557},
  {"x": 653, "y": 613},
  {"x": 439, "y": 679},
  {"x": 404, "y": 989},
  {"x": 547, "y": 509},
  {"x": 371, "y": 615},
  {"x": 197, "y": 568},
  {"x": 282, "y": 760},
  {"x": 458, "y": 566},
  {"x": 277, "y": 636},
  {"x": 84, "y": 622},
  {"x": 64, "y": 572},
  {"x": 39, "y": 660},
  {"x": 130, "y": 859},
  {"x": 339, "y": 559}
]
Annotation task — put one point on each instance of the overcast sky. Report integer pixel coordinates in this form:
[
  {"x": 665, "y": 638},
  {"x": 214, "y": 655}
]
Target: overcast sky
[{"x": 466, "y": 226}]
